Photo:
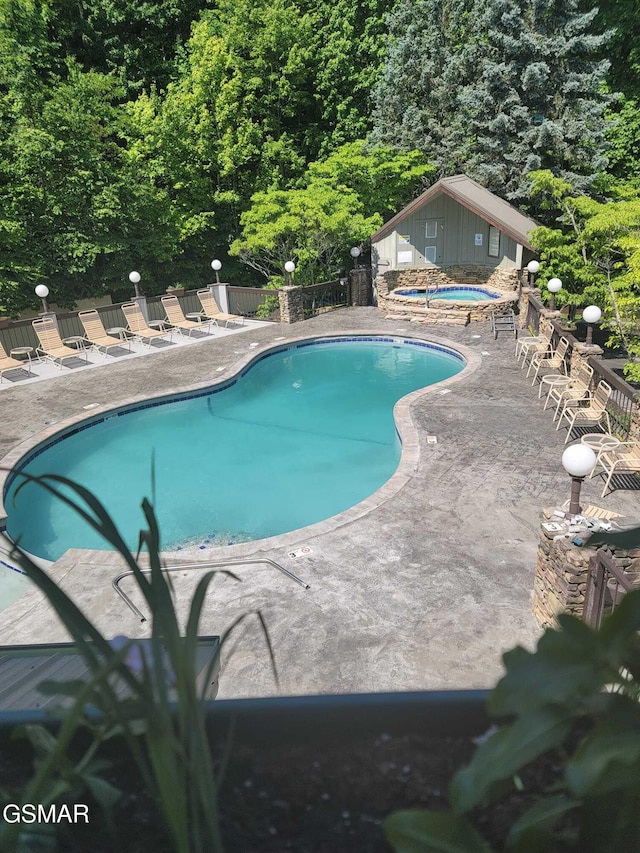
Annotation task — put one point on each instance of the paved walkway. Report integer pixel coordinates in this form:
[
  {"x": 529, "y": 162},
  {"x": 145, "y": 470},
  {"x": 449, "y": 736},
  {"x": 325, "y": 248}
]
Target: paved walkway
[{"x": 424, "y": 591}]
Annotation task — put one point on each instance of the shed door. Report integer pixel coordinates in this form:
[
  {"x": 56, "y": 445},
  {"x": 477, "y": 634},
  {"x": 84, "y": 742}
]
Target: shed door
[{"x": 433, "y": 240}]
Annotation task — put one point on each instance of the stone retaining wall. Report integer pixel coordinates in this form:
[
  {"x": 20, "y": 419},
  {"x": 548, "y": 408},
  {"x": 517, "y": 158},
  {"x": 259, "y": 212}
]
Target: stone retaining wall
[
  {"x": 445, "y": 312},
  {"x": 448, "y": 276},
  {"x": 561, "y": 573}
]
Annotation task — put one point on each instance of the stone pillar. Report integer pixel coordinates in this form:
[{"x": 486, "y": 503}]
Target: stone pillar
[
  {"x": 546, "y": 316},
  {"x": 562, "y": 568},
  {"x": 291, "y": 304},
  {"x": 580, "y": 352},
  {"x": 360, "y": 280},
  {"x": 523, "y": 304},
  {"x": 221, "y": 295}
]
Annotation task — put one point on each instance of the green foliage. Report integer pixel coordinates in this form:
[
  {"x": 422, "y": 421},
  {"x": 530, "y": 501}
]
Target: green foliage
[
  {"x": 174, "y": 756},
  {"x": 342, "y": 201},
  {"x": 575, "y": 701},
  {"x": 596, "y": 252},
  {"x": 495, "y": 90}
]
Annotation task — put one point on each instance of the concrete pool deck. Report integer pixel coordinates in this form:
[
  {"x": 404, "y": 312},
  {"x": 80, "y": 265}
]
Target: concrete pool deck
[{"x": 424, "y": 591}]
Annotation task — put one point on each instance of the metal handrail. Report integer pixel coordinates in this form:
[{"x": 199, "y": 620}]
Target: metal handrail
[{"x": 115, "y": 583}]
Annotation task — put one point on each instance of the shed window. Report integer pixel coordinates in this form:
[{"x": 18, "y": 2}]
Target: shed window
[
  {"x": 431, "y": 229},
  {"x": 430, "y": 254},
  {"x": 494, "y": 242}
]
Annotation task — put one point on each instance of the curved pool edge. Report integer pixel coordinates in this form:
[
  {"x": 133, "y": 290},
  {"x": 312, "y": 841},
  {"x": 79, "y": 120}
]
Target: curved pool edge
[{"x": 406, "y": 428}]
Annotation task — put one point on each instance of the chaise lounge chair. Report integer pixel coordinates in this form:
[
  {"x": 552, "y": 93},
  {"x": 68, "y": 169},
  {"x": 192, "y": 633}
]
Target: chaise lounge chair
[
  {"x": 176, "y": 318},
  {"x": 96, "y": 334},
  {"x": 138, "y": 326},
  {"x": 590, "y": 414},
  {"x": 211, "y": 309},
  {"x": 51, "y": 345},
  {"x": 8, "y": 363}
]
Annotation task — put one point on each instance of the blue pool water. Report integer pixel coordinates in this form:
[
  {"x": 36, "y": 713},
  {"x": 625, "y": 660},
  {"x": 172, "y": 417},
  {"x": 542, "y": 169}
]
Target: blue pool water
[
  {"x": 462, "y": 294},
  {"x": 303, "y": 434}
]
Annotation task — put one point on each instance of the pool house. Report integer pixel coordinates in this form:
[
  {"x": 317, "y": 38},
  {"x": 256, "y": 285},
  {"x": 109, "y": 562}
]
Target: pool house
[{"x": 456, "y": 234}]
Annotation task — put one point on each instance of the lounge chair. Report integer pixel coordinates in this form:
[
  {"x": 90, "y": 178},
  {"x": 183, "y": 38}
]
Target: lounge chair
[
  {"x": 8, "y": 363},
  {"x": 138, "y": 326},
  {"x": 552, "y": 360},
  {"x": 593, "y": 413},
  {"x": 626, "y": 457},
  {"x": 96, "y": 334},
  {"x": 211, "y": 309},
  {"x": 176, "y": 318},
  {"x": 51, "y": 345},
  {"x": 576, "y": 390}
]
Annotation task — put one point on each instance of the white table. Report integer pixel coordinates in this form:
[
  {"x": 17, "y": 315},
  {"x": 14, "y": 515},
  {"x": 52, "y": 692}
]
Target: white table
[
  {"x": 551, "y": 381},
  {"x": 23, "y": 351},
  {"x": 600, "y": 442},
  {"x": 120, "y": 331},
  {"x": 76, "y": 341}
]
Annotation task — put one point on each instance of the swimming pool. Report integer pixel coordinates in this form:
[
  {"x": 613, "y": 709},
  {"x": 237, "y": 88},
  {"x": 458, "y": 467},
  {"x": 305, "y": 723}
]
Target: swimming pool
[
  {"x": 459, "y": 294},
  {"x": 304, "y": 432}
]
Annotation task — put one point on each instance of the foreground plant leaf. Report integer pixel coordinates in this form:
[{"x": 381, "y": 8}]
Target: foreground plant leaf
[
  {"x": 415, "y": 831},
  {"x": 504, "y": 753}
]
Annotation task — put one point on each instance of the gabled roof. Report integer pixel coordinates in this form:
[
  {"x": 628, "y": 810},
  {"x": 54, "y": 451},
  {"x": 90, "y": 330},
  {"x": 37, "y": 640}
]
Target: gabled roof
[{"x": 477, "y": 199}]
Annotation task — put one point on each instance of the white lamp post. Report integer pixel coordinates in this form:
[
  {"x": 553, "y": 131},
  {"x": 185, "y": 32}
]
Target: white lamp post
[
  {"x": 355, "y": 253},
  {"x": 289, "y": 267},
  {"x": 217, "y": 266},
  {"x": 553, "y": 286},
  {"x": 43, "y": 291},
  {"x": 532, "y": 269},
  {"x": 134, "y": 278},
  {"x": 578, "y": 461},
  {"x": 591, "y": 315}
]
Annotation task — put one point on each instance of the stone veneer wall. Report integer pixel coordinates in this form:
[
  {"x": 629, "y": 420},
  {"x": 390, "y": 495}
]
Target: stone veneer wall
[
  {"x": 445, "y": 311},
  {"x": 561, "y": 574},
  {"x": 291, "y": 304}
]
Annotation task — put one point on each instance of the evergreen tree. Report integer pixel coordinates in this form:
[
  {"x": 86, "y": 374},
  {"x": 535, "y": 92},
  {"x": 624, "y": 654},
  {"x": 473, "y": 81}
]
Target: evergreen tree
[
  {"x": 536, "y": 100},
  {"x": 415, "y": 96},
  {"x": 496, "y": 89}
]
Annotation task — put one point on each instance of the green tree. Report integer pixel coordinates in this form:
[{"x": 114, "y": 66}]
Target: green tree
[
  {"x": 314, "y": 226},
  {"x": 596, "y": 252},
  {"x": 415, "y": 97},
  {"x": 384, "y": 181}
]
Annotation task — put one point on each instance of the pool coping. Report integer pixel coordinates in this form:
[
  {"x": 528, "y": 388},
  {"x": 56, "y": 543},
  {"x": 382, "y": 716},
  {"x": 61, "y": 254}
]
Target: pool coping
[{"x": 405, "y": 426}]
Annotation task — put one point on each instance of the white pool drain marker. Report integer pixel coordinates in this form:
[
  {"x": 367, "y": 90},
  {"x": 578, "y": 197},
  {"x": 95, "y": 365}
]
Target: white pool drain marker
[
  {"x": 484, "y": 352},
  {"x": 300, "y": 552},
  {"x": 475, "y": 336},
  {"x": 256, "y": 344},
  {"x": 218, "y": 369},
  {"x": 446, "y": 391},
  {"x": 280, "y": 339},
  {"x": 91, "y": 406},
  {"x": 432, "y": 439}
]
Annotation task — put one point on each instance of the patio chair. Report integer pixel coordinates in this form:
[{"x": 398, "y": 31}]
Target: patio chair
[
  {"x": 8, "y": 363},
  {"x": 593, "y": 413},
  {"x": 96, "y": 334},
  {"x": 551, "y": 359},
  {"x": 211, "y": 309},
  {"x": 574, "y": 392},
  {"x": 51, "y": 345},
  {"x": 176, "y": 318},
  {"x": 139, "y": 327},
  {"x": 626, "y": 457},
  {"x": 526, "y": 347}
]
